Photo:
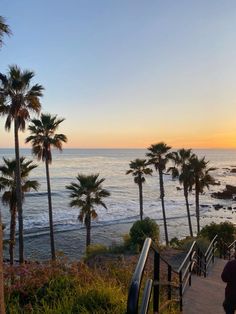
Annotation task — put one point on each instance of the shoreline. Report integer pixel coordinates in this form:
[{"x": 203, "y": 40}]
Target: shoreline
[{"x": 70, "y": 243}]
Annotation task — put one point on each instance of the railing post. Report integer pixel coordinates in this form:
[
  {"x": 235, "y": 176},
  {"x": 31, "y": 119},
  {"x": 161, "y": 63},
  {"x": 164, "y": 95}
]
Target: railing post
[
  {"x": 199, "y": 262},
  {"x": 205, "y": 266},
  {"x": 156, "y": 288},
  {"x": 180, "y": 292},
  {"x": 189, "y": 270},
  {"x": 213, "y": 255},
  {"x": 169, "y": 281}
]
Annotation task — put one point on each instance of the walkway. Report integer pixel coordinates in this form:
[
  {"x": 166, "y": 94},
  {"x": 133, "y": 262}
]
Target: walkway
[{"x": 206, "y": 295}]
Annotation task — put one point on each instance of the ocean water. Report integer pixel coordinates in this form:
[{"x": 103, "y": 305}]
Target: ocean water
[{"x": 123, "y": 204}]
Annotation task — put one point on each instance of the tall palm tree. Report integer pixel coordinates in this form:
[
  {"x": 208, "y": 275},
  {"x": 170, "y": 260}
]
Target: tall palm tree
[
  {"x": 2, "y": 302},
  {"x": 8, "y": 184},
  {"x": 139, "y": 168},
  {"x": 182, "y": 171},
  {"x": 158, "y": 157},
  {"x": 85, "y": 194},
  {"x": 4, "y": 29},
  {"x": 17, "y": 100},
  {"x": 202, "y": 179},
  {"x": 43, "y": 138}
]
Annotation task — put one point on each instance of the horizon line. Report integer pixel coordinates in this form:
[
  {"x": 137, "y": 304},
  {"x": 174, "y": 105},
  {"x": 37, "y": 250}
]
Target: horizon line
[{"x": 222, "y": 148}]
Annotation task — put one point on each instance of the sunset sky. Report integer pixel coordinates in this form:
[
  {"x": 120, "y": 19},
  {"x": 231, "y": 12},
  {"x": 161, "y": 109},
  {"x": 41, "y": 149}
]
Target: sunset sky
[{"x": 129, "y": 73}]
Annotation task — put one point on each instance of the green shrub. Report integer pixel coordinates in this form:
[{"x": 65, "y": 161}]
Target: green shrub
[
  {"x": 101, "y": 298},
  {"x": 95, "y": 249},
  {"x": 186, "y": 243},
  {"x": 175, "y": 243},
  {"x": 202, "y": 243},
  {"x": 143, "y": 229},
  {"x": 224, "y": 230}
]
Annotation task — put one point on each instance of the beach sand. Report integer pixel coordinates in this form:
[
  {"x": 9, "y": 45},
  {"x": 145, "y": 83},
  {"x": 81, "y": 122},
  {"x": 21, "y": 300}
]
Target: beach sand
[{"x": 71, "y": 243}]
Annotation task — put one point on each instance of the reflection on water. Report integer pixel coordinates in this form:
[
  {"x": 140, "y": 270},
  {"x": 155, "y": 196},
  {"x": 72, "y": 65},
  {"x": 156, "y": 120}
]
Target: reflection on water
[{"x": 123, "y": 207}]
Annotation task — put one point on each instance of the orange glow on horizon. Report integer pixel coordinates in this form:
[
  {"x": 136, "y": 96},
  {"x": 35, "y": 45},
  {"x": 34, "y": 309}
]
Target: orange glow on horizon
[{"x": 224, "y": 140}]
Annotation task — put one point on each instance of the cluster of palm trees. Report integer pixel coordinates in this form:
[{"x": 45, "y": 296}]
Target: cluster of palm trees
[
  {"x": 43, "y": 138},
  {"x": 18, "y": 100},
  {"x": 191, "y": 171},
  {"x": 85, "y": 193}
]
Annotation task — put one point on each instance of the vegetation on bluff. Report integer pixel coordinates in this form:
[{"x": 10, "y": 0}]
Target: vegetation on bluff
[{"x": 60, "y": 287}]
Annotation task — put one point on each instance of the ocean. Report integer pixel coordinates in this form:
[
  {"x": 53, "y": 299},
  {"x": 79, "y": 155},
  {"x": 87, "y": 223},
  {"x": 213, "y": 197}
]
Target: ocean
[{"x": 123, "y": 204}]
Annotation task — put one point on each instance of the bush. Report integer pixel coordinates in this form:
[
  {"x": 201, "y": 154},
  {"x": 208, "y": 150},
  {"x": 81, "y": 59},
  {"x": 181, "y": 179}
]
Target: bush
[
  {"x": 224, "y": 230},
  {"x": 143, "y": 229},
  {"x": 58, "y": 287},
  {"x": 95, "y": 249},
  {"x": 186, "y": 243}
]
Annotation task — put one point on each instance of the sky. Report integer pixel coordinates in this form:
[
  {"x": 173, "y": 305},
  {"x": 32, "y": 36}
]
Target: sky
[{"x": 129, "y": 73}]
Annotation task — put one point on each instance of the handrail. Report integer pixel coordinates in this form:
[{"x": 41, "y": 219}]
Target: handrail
[
  {"x": 211, "y": 244},
  {"x": 153, "y": 285},
  {"x": 146, "y": 296},
  {"x": 187, "y": 256},
  {"x": 132, "y": 305},
  {"x": 194, "y": 257},
  {"x": 232, "y": 244},
  {"x": 229, "y": 249},
  {"x": 209, "y": 255}
]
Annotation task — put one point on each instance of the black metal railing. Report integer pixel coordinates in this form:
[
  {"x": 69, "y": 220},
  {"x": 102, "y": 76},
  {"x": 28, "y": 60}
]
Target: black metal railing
[
  {"x": 231, "y": 250},
  {"x": 185, "y": 271},
  {"x": 153, "y": 285},
  {"x": 227, "y": 251},
  {"x": 195, "y": 261},
  {"x": 209, "y": 255}
]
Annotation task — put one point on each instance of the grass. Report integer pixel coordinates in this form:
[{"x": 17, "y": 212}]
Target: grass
[
  {"x": 98, "y": 285},
  {"x": 61, "y": 287}
]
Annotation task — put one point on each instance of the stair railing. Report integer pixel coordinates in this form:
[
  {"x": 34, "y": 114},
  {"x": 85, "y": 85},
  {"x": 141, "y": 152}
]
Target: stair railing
[
  {"x": 227, "y": 251},
  {"x": 209, "y": 255},
  {"x": 153, "y": 285},
  {"x": 232, "y": 250}
]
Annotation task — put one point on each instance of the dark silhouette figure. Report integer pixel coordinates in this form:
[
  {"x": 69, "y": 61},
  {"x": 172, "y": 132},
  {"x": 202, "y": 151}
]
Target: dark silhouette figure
[{"x": 229, "y": 276}]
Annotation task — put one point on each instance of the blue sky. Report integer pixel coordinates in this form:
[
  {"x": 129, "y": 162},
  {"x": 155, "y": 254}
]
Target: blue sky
[{"x": 130, "y": 73}]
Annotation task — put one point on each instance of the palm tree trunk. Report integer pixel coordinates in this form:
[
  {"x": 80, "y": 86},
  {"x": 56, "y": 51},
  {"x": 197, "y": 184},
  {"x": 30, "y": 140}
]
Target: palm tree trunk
[
  {"x": 2, "y": 303},
  {"x": 188, "y": 212},
  {"x": 162, "y": 195},
  {"x": 141, "y": 199},
  {"x": 19, "y": 194},
  {"x": 197, "y": 203},
  {"x": 197, "y": 210},
  {"x": 50, "y": 211},
  {"x": 88, "y": 227},
  {"x": 12, "y": 234}
]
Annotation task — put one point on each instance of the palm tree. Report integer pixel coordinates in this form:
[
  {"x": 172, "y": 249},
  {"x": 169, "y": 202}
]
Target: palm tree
[
  {"x": 138, "y": 169},
  {"x": 182, "y": 171},
  {"x": 202, "y": 179},
  {"x": 158, "y": 157},
  {"x": 4, "y": 29},
  {"x": 2, "y": 302},
  {"x": 42, "y": 138},
  {"x": 18, "y": 99},
  {"x": 85, "y": 194},
  {"x": 8, "y": 183}
]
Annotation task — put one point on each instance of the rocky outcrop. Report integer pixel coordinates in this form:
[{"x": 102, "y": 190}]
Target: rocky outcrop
[
  {"x": 218, "y": 206},
  {"x": 228, "y": 193}
]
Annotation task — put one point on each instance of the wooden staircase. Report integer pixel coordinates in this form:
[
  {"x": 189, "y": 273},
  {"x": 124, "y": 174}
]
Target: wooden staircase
[{"x": 206, "y": 295}]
